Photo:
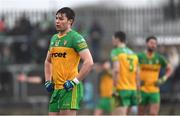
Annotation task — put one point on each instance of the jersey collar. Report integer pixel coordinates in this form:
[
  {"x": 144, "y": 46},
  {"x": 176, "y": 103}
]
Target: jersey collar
[
  {"x": 62, "y": 35},
  {"x": 148, "y": 56}
]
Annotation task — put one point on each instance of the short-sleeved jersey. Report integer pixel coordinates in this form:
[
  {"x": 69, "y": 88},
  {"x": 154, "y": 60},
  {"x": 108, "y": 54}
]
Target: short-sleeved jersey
[
  {"x": 150, "y": 69},
  {"x": 106, "y": 84},
  {"x": 64, "y": 56},
  {"x": 128, "y": 62}
]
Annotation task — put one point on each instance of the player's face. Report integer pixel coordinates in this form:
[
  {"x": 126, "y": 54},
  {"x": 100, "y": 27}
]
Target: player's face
[
  {"x": 114, "y": 41},
  {"x": 106, "y": 65},
  {"x": 151, "y": 45},
  {"x": 62, "y": 22}
]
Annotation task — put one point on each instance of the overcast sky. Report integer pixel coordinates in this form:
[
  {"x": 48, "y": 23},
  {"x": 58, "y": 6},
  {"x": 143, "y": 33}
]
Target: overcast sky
[{"x": 54, "y": 4}]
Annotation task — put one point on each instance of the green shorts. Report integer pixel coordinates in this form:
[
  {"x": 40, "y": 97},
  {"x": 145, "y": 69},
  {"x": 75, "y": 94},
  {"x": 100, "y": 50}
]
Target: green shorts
[
  {"x": 149, "y": 98},
  {"x": 64, "y": 100},
  {"x": 128, "y": 98},
  {"x": 106, "y": 104}
]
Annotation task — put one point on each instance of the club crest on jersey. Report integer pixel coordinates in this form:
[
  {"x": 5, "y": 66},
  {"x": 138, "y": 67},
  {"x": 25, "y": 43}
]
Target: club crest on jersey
[
  {"x": 65, "y": 42},
  {"x": 157, "y": 61},
  {"x": 57, "y": 43},
  {"x": 150, "y": 62}
]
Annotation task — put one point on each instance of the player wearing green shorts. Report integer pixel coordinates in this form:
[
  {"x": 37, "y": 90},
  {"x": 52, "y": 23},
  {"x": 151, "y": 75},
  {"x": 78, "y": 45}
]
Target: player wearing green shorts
[
  {"x": 106, "y": 102},
  {"x": 150, "y": 64},
  {"x": 66, "y": 49},
  {"x": 125, "y": 64}
]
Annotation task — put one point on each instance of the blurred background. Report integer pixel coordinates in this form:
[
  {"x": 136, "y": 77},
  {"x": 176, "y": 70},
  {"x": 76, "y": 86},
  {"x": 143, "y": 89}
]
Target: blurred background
[{"x": 26, "y": 27}]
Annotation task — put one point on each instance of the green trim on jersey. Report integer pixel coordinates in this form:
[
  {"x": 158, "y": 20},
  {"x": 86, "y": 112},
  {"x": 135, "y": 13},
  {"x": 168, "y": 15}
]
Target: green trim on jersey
[
  {"x": 116, "y": 51},
  {"x": 72, "y": 39},
  {"x": 156, "y": 59}
]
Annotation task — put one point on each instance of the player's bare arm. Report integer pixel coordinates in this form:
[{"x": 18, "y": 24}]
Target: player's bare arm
[
  {"x": 168, "y": 70},
  {"x": 138, "y": 78},
  {"x": 87, "y": 64},
  {"x": 47, "y": 67},
  {"x": 115, "y": 72}
]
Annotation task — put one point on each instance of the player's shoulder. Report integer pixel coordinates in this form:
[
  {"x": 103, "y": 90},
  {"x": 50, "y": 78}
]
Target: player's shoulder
[
  {"x": 53, "y": 37},
  {"x": 115, "y": 50},
  {"x": 76, "y": 37},
  {"x": 159, "y": 55},
  {"x": 141, "y": 54},
  {"x": 130, "y": 51},
  {"x": 74, "y": 34}
]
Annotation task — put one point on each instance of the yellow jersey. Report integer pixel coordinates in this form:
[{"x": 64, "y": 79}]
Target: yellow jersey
[
  {"x": 128, "y": 62},
  {"x": 64, "y": 56},
  {"x": 149, "y": 70}
]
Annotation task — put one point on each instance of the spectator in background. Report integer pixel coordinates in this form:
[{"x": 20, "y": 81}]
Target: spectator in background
[
  {"x": 22, "y": 26},
  {"x": 6, "y": 82},
  {"x": 15, "y": 30},
  {"x": 22, "y": 52},
  {"x": 40, "y": 46},
  {"x": 81, "y": 28},
  {"x": 45, "y": 24},
  {"x": 6, "y": 55},
  {"x": 2, "y": 25},
  {"x": 96, "y": 35},
  {"x": 25, "y": 25}
]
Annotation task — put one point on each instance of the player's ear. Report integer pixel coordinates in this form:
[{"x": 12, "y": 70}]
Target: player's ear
[{"x": 71, "y": 21}]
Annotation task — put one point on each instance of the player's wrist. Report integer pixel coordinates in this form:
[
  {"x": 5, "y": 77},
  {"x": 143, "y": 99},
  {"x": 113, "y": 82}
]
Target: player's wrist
[
  {"x": 47, "y": 81},
  {"x": 76, "y": 81}
]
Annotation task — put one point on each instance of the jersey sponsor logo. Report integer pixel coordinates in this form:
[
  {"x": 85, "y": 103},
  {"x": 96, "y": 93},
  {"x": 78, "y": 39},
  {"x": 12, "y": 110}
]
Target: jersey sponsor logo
[
  {"x": 65, "y": 42},
  {"x": 82, "y": 45},
  {"x": 157, "y": 61},
  {"x": 59, "y": 54},
  {"x": 150, "y": 68}
]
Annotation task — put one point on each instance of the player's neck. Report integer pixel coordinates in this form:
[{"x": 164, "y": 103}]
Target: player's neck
[
  {"x": 122, "y": 45},
  {"x": 64, "y": 32},
  {"x": 150, "y": 53}
]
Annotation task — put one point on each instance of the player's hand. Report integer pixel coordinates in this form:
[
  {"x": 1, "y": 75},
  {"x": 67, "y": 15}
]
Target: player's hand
[
  {"x": 69, "y": 84},
  {"x": 49, "y": 86},
  {"x": 161, "y": 81}
]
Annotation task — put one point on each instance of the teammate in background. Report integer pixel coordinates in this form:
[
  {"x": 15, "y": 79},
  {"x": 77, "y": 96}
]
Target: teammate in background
[
  {"x": 125, "y": 68},
  {"x": 66, "y": 49},
  {"x": 150, "y": 64},
  {"x": 105, "y": 105}
]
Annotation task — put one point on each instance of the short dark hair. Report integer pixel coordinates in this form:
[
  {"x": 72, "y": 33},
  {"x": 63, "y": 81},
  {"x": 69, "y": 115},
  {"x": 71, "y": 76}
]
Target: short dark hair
[
  {"x": 70, "y": 14},
  {"x": 120, "y": 35},
  {"x": 150, "y": 37}
]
